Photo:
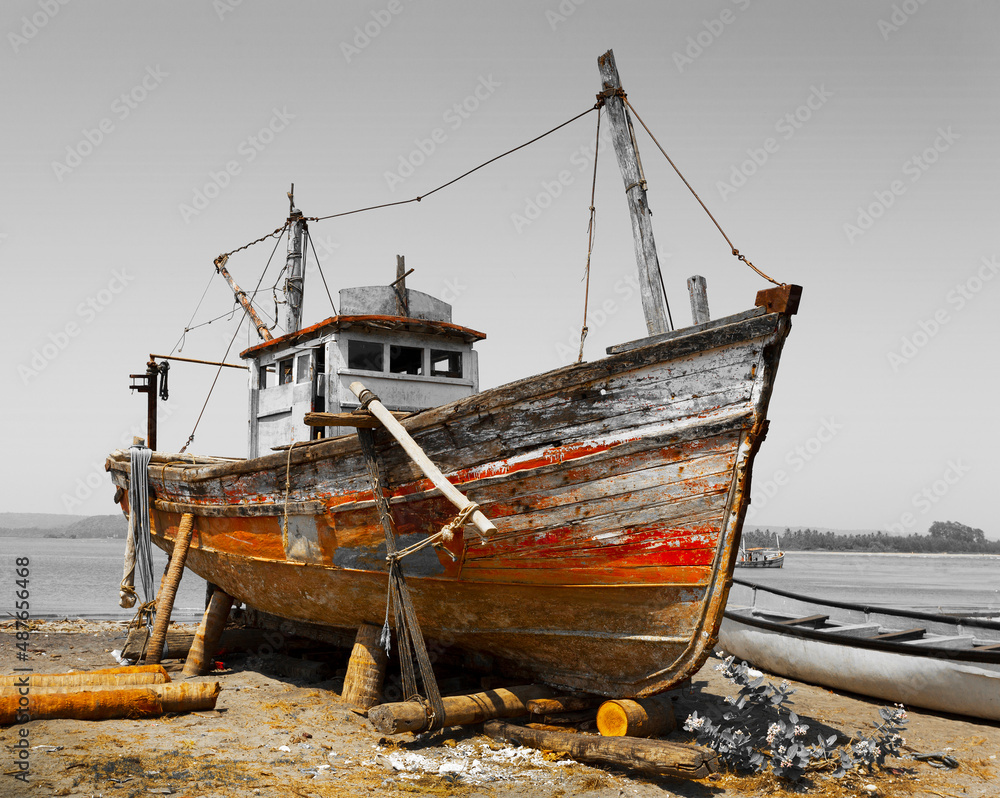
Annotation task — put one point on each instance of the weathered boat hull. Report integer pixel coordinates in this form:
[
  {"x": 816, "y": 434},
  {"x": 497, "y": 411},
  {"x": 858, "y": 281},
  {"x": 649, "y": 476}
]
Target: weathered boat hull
[
  {"x": 618, "y": 489},
  {"x": 953, "y": 667}
]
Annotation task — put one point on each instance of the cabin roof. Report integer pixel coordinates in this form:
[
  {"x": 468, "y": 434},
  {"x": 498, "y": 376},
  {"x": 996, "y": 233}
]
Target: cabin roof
[{"x": 369, "y": 323}]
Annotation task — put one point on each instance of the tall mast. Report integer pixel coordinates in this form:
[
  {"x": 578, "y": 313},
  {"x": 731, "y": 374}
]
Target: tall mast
[
  {"x": 242, "y": 298},
  {"x": 650, "y": 285},
  {"x": 294, "y": 266}
]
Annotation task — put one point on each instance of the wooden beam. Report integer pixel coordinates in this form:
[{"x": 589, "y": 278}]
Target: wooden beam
[
  {"x": 650, "y": 287},
  {"x": 780, "y": 299},
  {"x": 656, "y": 757},
  {"x": 168, "y": 589},
  {"x": 361, "y": 419},
  {"x": 698, "y": 290}
]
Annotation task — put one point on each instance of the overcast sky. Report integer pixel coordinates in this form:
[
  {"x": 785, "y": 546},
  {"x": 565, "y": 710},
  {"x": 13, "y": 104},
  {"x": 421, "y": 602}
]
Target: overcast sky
[{"x": 850, "y": 147}]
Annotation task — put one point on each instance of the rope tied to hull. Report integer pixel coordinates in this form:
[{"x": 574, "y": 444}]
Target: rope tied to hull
[{"x": 138, "y": 546}]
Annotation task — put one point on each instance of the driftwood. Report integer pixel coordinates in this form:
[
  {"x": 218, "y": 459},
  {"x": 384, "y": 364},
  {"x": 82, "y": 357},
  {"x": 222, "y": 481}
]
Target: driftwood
[
  {"x": 128, "y": 702},
  {"x": 563, "y": 703},
  {"x": 640, "y": 717},
  {"x": 178, "y": 642},
  {"x": 459, "y": 710},
  {"x": 655, "y": 757}
]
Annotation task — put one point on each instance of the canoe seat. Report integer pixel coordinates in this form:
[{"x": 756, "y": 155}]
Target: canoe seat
[
  {"x": 902, "y": 636},
  {"x": 865, "y": 630},
  {"x": 945, "y": 641},
  {"x": 810, "y": 620}
]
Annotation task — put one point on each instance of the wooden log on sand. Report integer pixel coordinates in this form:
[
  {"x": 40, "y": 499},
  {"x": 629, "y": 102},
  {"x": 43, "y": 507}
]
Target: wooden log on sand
[
  {"x": 128, "y": 702},
  {"x": 459, "y": 710},
  {"x": 365, "y": 669},
  {"x": 655, "y": 757},
  {"x": 206, "y": 639},
  {"x": 640, "y": 717},
  {"x": 168, "y": 588},
  {"x": 563, "y": 703},
  {"x": 133, "y": 674}
]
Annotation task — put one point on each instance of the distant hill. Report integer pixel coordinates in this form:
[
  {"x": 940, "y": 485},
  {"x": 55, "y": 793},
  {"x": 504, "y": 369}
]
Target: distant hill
[
  {"x": 50, "y": 525},
  {"x": 37, "y": 520}
]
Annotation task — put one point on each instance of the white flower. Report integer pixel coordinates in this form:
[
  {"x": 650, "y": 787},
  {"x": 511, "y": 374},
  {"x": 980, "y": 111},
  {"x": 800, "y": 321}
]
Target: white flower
[
  {"x": 800, "y": 731},
  {"x": 772, "y": 733}
]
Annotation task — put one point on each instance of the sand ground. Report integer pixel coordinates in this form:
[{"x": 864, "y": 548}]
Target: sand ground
[{"x": 278, "y": 736}]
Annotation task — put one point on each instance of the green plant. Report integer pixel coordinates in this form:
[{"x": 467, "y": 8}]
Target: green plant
[{"x": 758, "y": 731}]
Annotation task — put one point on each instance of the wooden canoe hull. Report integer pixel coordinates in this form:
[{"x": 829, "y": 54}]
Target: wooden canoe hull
[
  {"x": 952, "y": 667},
  {"x": 618, "y": 489}
]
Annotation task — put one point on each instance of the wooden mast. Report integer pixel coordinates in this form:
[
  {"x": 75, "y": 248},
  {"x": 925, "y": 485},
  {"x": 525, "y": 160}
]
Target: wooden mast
[
  {"x": 650, "y": 286},
  {"x": 294, "y": 266}
]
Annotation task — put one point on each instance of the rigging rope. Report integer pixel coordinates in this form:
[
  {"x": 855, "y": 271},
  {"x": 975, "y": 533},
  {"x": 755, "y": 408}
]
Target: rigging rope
[
  {"x": 190, "y": 439},
  {"x": 139, "y": 547},
  {"x": 590, "y": 238},
  {"x": 318, "y": 266},
  {"x": 736, "y": 252}
]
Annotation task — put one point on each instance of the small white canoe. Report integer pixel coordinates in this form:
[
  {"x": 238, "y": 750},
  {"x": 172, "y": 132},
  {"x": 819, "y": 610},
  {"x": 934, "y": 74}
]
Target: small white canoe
[{"x": 939, "y": 662}]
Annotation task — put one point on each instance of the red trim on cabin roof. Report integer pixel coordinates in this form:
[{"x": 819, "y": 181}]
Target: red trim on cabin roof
[{"x": 378, "y": 322}]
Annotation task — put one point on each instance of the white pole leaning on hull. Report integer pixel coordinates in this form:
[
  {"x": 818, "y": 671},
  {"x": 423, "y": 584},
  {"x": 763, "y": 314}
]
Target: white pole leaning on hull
[{"x": 423, "y": 462}]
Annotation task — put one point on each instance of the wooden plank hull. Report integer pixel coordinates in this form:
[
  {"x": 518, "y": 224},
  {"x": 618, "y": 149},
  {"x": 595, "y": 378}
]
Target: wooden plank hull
[
  {"x": 618, "y": 489},
  {"x": 938, "y": 662}
]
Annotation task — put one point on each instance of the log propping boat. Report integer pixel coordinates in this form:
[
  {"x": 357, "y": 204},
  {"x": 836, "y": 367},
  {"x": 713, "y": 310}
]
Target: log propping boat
[{"x": 617, "y": 488}]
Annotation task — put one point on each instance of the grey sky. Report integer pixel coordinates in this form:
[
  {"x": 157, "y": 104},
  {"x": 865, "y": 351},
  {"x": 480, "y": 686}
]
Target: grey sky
[{"x": 849, "y": 147}]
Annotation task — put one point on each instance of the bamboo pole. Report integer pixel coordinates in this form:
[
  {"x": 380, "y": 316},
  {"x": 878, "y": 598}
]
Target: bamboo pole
[
  {"x": 206, "y": 639},
  {"x": 423, "y": 462},
  {"x": 133, "y": 674},
  {"x": 168, "y": 589},
  {"x": 365, "y": 669},
  {"x": 130, "y": 702}
]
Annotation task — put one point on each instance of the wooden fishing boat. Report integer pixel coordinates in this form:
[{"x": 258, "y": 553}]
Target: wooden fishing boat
[
  {"x": 616, "y": 488},
  {"x": 934, "y": 661}
]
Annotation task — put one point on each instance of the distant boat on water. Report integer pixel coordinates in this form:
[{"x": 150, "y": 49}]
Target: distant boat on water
[{"x": 761, "y": 557}]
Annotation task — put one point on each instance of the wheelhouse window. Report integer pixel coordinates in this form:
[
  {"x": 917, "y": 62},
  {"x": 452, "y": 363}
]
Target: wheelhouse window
[
  {"x": 445, "y": 363},
  {"x": 406, "y": 360},
  {"x": 285, "y": 371},
  {"x": 302, "y": 368},
  {"x": 265, "y": 377},
  {"x": 364, "y": 355}
]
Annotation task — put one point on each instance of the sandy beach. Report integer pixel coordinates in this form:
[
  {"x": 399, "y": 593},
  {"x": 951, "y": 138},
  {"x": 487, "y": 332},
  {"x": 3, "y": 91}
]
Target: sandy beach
[{"x": 272, "y": 735}]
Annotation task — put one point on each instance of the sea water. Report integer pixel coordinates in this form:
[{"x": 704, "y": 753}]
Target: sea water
[{"x": 80, "y": 578}]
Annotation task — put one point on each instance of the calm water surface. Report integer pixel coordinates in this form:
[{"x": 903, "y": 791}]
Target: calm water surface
[{"x": 79, "y": 579}]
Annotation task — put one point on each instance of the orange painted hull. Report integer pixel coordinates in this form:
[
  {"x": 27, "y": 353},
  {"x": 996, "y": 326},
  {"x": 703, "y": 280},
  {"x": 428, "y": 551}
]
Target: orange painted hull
[{"x": 618, "y": 489}]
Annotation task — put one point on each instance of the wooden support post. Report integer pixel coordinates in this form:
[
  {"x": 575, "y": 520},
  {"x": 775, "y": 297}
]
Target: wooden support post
[
  {"x": 206, "y": 639},
  {"x": 365, "y": 669},
  {"x": 459, "y": 710},
  {"x": 563, "y": 703},
  {"x": 640, "y": 717},
  {"x": 168, "y": 589},
  {"x": 650, "y": 286},
  {"x": 698, "y": 289},
  {"x": 656, "y": 757}
]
